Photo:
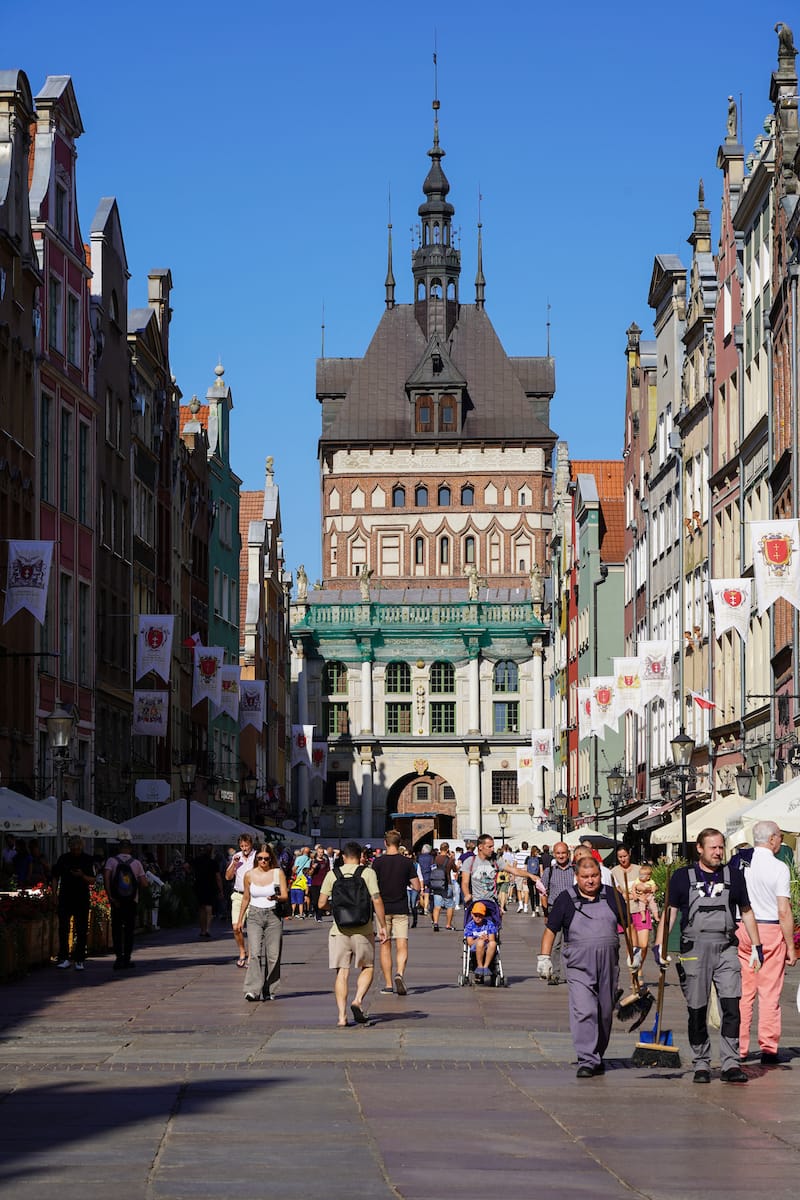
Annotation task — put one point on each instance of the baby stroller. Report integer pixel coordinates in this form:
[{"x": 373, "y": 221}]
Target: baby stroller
[{"x": 496, "y": 976}]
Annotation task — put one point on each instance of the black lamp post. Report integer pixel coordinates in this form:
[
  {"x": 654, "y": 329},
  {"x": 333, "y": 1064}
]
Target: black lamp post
[
  {"x": 250, "y": 784},
  {"x": 59, "y": 732},
  {"x": 682, "y": 751},
  {"x": 188, "y": 772},
  {"x": 339, "y": 824},
  {"x": 597, "y": 801},
  {"x": 316, "y": 813},
  {"x": 615, "y": 780},
  {"x": 502, "y": 821},
  {"x": 744, "y": 777},
  {"x": 560, "y": 805}
]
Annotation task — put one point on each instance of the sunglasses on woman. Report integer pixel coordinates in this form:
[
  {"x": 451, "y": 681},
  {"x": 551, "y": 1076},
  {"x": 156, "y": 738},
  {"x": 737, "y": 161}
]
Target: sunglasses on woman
[{"x": 263, "y": 859}]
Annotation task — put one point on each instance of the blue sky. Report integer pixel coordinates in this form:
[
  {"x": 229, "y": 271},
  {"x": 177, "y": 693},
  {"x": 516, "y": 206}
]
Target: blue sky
[{"x": 252, "y": 151}]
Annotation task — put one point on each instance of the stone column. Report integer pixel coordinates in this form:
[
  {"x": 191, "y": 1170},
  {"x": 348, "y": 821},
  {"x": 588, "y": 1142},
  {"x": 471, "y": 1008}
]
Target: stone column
[
  {"x": 474, "y": 760},
  {"x": 366, "y": 793},
  {"x": 474, "y": 690},
  {"x": 538, "y": 720},
  {"x": 366, "y": 689},
  {"x": 302, "y": 773}
]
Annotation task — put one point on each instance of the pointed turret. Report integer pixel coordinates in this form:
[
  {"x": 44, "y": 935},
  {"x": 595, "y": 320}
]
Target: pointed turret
[
  {"x": 700, "y": 237},
  {"x": 480, "y": 279},
  {"x": 390, "y": 274},
  {"x": 436, "y": 263}
]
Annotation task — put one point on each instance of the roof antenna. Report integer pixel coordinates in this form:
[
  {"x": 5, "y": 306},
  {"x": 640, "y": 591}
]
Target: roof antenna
[
  {"x": 322, "y": 354},
  {"x": 548, "y": 328}
]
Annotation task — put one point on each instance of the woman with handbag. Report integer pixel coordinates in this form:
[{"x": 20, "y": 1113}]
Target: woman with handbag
[{"x": 264, "y": 889}]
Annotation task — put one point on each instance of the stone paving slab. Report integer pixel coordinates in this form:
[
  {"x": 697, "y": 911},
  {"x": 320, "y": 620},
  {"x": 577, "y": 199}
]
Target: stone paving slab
[{"x": 188, "y": 1091}]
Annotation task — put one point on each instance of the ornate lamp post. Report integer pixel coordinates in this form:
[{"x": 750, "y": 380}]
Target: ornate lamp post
[
  {"x": 597, "y": 801},
  {"x": 744, "y": 777},
  {"x": 316, "y": 813},
  {"x": 560, "y": 802},
  {"x": 60, "y": 724},
  {"x": 339, "y": 824},
  {"x": 682, "y": 751},
  {"x": 615, "y": 780},
  {"x": 502, "y": 821},
  {"x": 188, "y": 772},
  {"x": 250, "y": 785}
]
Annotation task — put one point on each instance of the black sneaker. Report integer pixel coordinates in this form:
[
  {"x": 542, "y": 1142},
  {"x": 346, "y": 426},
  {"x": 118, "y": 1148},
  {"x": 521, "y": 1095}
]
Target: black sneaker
[
  {"x": 734, "y": 1075},
  {"x": 584, "y": 1072},
  {"x": 769, "y": 1059},
  {"x": 702, "y": 1077}
]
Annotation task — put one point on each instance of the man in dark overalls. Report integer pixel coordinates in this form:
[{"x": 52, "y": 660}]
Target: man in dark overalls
[
  {"x": 707, "y": 896},
  {"x": 587, "y": 915}
]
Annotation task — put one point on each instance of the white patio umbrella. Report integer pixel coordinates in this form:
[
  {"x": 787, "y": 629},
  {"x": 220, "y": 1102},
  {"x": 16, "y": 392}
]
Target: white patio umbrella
[
  {"x": 600, "y": 841},
  {"x": 781, "y": 805},
  {"x": 20, "y": 814},
  {"x": 87, "y": 824},
  {"x": 166, "y": 825}
]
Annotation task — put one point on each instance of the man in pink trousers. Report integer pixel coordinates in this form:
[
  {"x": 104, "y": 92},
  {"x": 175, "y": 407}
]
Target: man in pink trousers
[{"x": 768, "y": 887}]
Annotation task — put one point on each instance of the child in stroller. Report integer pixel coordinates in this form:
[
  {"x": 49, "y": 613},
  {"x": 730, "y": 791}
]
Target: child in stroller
[{"x": 481, "y": 941}]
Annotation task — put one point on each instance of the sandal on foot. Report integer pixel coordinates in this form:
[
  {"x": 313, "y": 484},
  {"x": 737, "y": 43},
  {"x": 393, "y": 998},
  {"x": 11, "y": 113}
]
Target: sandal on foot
[
  {"x": 359, "y": 1016},
  {"x": 241, "y": 962}
]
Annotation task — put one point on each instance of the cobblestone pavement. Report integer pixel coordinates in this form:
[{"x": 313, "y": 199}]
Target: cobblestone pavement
[{"x": 165, "y": 1080}]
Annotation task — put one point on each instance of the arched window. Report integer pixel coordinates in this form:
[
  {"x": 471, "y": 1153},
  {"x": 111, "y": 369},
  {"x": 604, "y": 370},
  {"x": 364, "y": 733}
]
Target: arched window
[
  {"x": 443, "y": 678},
  {"x": 398, "y": 496},
  {"x": 444, "y": 551},
  {"x": 421, "y": 496},
  {"x": 398, "y": 677},
  {"x": 468, "y": 494},
  {"x": 420, "y": 291},
  {"x": 447, "y": 414},
  {"x": 436, "y": 289},
  {"x": 444, "y": 496},
  {"x": 424, "y": 414},
  {"x": 335, "y": 679},
  {"x": 451, "y": 289},
  {"x": 436, "y": 234},
  {"x": 419, "y": 551},
  {"x": 506, "y": 676},
  {"x": 469, "y": 549}
]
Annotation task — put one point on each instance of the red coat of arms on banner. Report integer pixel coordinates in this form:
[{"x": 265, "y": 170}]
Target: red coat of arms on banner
[
  {"x": 655, "y": 667},
  {"x": 733, "y": 597},
  {"x": 302, "y": 741},
  {"x": 603, "y": 697},
  {"x": 776, "y": 551},
  {"x": 229, "y": 685},
  {"x": 27, "y": 572},
  {"x": 541, "y": 746},
  {"x": 155, "y": 638},
  {"x": 208, "y": 666},
  {"x": 317, "y": 757},
  {"x": 587, "y": 708},
  {"x": 629, "y": 681}
]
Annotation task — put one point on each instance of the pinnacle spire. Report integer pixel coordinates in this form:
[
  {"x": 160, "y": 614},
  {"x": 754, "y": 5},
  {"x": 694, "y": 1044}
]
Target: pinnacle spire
[
  {"x": 389, "y": 273},
  {"x": 436, "y": 263},
  {"x": 480, "y": 279}
]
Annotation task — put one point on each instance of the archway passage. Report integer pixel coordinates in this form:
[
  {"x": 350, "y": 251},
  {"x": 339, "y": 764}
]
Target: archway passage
[{"x": 422, "y": 807}]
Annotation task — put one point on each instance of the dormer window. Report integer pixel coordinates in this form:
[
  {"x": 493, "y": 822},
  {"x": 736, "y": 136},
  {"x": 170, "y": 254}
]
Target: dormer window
[
  {"x": 447, "y": 414},
  {"x": 424, "y": 414}
]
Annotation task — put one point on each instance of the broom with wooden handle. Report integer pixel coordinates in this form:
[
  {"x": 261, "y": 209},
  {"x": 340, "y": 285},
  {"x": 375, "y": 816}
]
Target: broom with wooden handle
[
  {"x": 637, "y": 1004},
  {"x": 656, "y": 1048}
]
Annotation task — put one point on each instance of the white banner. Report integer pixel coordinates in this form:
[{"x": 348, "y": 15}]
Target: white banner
[
  {"x": 229, "y": 687},
  {"x": 628, "y": 678},
  {"x": 150, "y": 713},
  {"x": 524, "y": 765},
  {"x": 152, "y": 791},
  {"x": 542, "y": 743},
  {"x": 603, "y": 690},
  {"x": 251, "y": 703},
  {"x": 776, "y": 562},
  {"x": 207, "y": 675},
  {"x": 585, "y": 729},
  {"x": 656, "y": 663},
  {"x": 28, "y": 577},
  {"x": 154, "y": 646},
  {"x": 319, "y": 760},
  {"x": 302, "y": 738},
  {"x": 732, "y": 600}
]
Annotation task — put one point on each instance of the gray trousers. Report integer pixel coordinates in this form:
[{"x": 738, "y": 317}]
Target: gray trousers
[
  {"x": 592, "y": 976},
  {"x": 555, "y": 956},
  {"x": 264, "y": 938},
  {"x": 711, "y": 960}
]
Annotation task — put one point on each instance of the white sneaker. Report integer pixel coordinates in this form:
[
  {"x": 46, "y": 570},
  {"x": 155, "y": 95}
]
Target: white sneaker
[
  {"x": 64, "y": 964},
  {"x": 519, "y": 908},
  {"x": 78, "y": 966},
  {"x": 525, "y": 908}
]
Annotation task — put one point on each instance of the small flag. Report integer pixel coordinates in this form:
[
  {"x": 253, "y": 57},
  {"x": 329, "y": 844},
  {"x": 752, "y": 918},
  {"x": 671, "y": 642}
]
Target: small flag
[
  {"x": 702, "y": 701},
  {"x": 193, "y": 640}
]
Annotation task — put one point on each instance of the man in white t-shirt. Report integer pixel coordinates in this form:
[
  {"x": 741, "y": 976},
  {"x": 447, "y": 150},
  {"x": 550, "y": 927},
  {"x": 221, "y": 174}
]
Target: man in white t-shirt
[{"x": 768, "y": 887}]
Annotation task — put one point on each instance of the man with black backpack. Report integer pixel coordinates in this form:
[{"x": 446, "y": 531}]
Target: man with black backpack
[
  {"x": 123, "y": 876},
  {"x": 351, "y": 891}
]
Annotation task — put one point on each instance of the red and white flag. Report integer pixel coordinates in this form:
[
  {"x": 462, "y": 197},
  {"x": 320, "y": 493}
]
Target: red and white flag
[
  {"x": 585, "y": 729},
  {"x": 28, "y": 578},
  {"x": 302, "y": 739},
  {"x": 154, "y": 646},
  {"x": 319, "y": 760},
  {"x": 191, "y": 641},
  {"x": 732, "y": 601},
  {"x": 207, "y": 675},
  {"x": 628, "y": 679},
  {"x": 542, "y": 743},
  {"x": 524, "y": 765},
  {"x": 604, "y": 704},
  {"x": 229, "y": 689},
  {"x": 251, "y": 703},
  {"x": 776, "y": 562},
  {"x": 702, "y": 701}
]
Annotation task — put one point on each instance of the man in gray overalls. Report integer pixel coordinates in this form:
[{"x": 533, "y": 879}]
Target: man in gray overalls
[
  {"x": 707, "y": 896},
  {"x": 587, "y": 915}
]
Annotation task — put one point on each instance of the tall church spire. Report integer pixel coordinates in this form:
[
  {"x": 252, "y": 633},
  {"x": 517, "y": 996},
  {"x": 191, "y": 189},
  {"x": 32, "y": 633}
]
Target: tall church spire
[
  {"x": 436, "y": 264},
  {"x": 480, "y": 278}
]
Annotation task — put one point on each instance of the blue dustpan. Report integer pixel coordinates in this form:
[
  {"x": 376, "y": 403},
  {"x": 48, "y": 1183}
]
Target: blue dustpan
[{"x": 656, "y": 1037}]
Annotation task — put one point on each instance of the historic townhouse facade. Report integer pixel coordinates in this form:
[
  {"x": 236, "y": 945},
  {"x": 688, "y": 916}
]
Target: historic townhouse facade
[
  {"x": 421, "y": 658},
  {"x": 20, "y": 326}
]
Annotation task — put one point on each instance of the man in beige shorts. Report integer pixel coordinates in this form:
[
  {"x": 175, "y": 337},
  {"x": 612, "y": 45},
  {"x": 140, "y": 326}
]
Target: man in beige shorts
[{"x": 353, "y": 946}]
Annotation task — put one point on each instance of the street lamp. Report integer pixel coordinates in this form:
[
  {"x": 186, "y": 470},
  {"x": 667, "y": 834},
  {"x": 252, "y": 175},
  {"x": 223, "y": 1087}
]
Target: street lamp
[
  {"x": 682, "y": 751},
  {"x": 339, "y": 824},
  {"x": 502, "y": 821},
  {"x": 316, "y": 812},
  {"x": 60, "y": 724},
  {"x": 560, "y": 802},
  {"x": 744, "y": 777},
  {"x": 615, "y": 780},
  {"x": 188, "y": 772},
  {"x": 597, "y": 801},
  {"x": 250, "y": 785}
]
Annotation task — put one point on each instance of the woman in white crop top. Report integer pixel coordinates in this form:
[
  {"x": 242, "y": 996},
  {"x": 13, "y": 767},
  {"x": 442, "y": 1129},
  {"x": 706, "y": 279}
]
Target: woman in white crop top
[{"x": 264, "y": 886}]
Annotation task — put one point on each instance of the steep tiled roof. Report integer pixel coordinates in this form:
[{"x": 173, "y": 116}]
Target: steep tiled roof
[
  {"x": 250, "y": 506},
  {"x": 376, "y": 406},
  {"x": 200, "y": 417},
  {"x": 609, "y": 477}
]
